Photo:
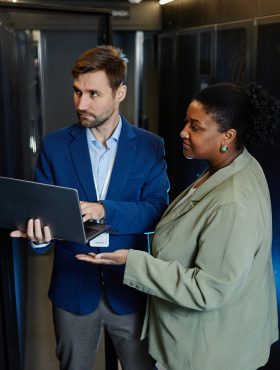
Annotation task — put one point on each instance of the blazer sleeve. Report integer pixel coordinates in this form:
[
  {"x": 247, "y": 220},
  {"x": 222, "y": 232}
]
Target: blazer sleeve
[
  {"x": 225, "y": 254},
  {"x": 43, "y": 169}
]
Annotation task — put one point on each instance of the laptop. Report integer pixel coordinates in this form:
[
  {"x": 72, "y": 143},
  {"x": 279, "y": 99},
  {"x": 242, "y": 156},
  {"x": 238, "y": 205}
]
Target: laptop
[{"x": 56, "y": 206}]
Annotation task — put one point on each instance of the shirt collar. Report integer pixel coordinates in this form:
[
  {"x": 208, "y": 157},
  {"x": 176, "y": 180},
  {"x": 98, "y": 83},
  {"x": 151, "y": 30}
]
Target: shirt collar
[{"x": 115, "y": 136}]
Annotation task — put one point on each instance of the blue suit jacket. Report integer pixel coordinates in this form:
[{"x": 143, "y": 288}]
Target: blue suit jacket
[{"x": 136, "y": 198}]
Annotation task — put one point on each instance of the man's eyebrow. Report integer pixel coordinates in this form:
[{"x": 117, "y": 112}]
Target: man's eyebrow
[{"x": 75, "y": 87}]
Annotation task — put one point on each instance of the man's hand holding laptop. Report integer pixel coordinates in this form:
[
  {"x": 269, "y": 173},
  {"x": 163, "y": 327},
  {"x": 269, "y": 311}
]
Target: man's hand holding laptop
[{"x": 40, "y": 235}]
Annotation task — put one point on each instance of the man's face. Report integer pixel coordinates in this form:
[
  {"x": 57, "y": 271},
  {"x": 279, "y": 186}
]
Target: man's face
[{"x": 95, "y": 101}]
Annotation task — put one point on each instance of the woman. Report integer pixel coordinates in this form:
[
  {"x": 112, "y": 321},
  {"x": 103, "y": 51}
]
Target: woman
[{"x": 210, "y": 276}]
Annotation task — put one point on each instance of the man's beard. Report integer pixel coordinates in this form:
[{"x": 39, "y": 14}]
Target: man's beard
[{"x": 95, "y": 121}]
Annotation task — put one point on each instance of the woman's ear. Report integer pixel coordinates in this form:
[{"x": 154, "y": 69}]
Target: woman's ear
[{"x": 230, "y": 136}]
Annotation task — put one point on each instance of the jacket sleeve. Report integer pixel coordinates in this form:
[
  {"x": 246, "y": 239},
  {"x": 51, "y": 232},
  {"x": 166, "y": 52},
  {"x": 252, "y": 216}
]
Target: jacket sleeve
[
  {"x": 225, "y": 254},
  {"x": 43, "y": 169}
]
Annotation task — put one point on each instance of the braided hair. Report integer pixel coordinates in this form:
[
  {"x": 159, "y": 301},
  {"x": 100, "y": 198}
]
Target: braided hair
[{"x": 250, "y": 110}]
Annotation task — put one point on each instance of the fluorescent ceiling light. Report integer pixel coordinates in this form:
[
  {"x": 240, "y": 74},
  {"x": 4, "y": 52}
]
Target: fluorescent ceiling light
[{"x": 162, "y": 2}]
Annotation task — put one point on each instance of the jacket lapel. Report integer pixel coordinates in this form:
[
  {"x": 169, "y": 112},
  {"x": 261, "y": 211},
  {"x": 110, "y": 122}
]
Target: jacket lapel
[
  {"x": 216, "y": 179},
  {"x": 123, "y": 161},
  {"x": 81, "y": 161},
  {"x": 171, "y": 213}
]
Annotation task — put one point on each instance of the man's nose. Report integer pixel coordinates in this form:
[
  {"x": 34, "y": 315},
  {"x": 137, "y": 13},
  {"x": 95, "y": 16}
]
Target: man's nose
[{"x": 82, "y": 103}]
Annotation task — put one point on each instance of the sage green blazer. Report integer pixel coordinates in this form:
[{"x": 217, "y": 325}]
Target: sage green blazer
[{"x": 213, "y": 302}]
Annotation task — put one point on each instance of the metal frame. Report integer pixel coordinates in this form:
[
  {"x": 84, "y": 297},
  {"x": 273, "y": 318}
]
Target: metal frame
[{"x": 104, "y": 27}]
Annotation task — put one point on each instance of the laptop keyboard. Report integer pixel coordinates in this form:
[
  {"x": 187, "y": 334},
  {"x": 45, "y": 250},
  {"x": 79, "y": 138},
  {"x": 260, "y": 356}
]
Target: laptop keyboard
[{"x": 89, "y": 231}]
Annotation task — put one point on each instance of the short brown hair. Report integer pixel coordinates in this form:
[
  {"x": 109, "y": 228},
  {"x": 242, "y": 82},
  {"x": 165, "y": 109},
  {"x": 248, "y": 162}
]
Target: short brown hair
[{"x": 103, "y": 58}]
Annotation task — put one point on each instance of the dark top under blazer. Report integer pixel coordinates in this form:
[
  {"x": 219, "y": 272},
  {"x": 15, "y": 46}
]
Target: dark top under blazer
[{"x": 136, "y": 198}]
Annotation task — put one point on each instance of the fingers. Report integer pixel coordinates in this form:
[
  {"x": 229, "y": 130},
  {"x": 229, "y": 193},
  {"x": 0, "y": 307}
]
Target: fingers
[
  {"x": 92, "y": 259},
  {"x": 18, "y": 234},
  {"x": 106, "y": 256},
  {"x": 118, "y": 257},
  {"x": 86, "y": 211},
  {"x": 38, "y": 233},
  {"x": 92, "y": 211},
  {"x": 85, "y": 208},
  {"x": 107, "y": 259},
  {"x": 48, "y": 235},
  {"x": 86, "y": 218},
  {"x": 21, "y": 234},
  {"x": 34, "y": 232}
]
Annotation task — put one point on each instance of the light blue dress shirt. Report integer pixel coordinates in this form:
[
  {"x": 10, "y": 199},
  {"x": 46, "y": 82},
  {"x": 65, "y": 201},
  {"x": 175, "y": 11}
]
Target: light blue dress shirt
[{"x": 102, "y": 159}]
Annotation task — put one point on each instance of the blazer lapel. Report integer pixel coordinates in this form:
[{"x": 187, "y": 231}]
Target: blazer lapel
[
  {"x": 216, "y": 179},
  {"x": 171, "y": 213},
  {"x": 220, "y": 176},
  {"x": 123, "y": 161},
  {"x": 81, "y": 162}
]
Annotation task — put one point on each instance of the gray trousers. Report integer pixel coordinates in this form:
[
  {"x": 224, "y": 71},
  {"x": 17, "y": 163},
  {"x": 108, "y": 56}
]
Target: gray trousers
[{"x": 78, "y": 337}]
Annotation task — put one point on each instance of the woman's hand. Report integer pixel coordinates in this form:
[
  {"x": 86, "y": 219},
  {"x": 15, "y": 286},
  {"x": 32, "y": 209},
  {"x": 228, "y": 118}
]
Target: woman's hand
[
  {"x": 118, "y": 257},
  {"x": 34, "y": 232}
]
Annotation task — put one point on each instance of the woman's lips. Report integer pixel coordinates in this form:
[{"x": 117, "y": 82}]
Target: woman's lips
[{"x": 186, "y": 146}]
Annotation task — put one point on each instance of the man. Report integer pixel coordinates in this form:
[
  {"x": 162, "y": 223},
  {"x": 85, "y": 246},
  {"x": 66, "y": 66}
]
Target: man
[{"x": 120, "y": 174}]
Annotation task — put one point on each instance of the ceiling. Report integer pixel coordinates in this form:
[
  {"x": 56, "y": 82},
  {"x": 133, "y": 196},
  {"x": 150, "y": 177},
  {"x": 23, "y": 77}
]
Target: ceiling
[{"x": 89, "y": 2}]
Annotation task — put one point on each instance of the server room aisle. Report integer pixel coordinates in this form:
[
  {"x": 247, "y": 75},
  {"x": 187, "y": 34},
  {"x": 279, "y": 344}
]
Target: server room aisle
[{"x": 40, "y": 340}]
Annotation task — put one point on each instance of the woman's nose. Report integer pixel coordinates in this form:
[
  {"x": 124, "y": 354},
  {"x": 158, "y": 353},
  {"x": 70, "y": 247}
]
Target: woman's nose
[{"x": 184, "y": 134}]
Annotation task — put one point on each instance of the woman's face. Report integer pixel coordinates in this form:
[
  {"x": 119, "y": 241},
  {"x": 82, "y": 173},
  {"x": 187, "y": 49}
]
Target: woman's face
[{"x": 201, "y": 136}]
